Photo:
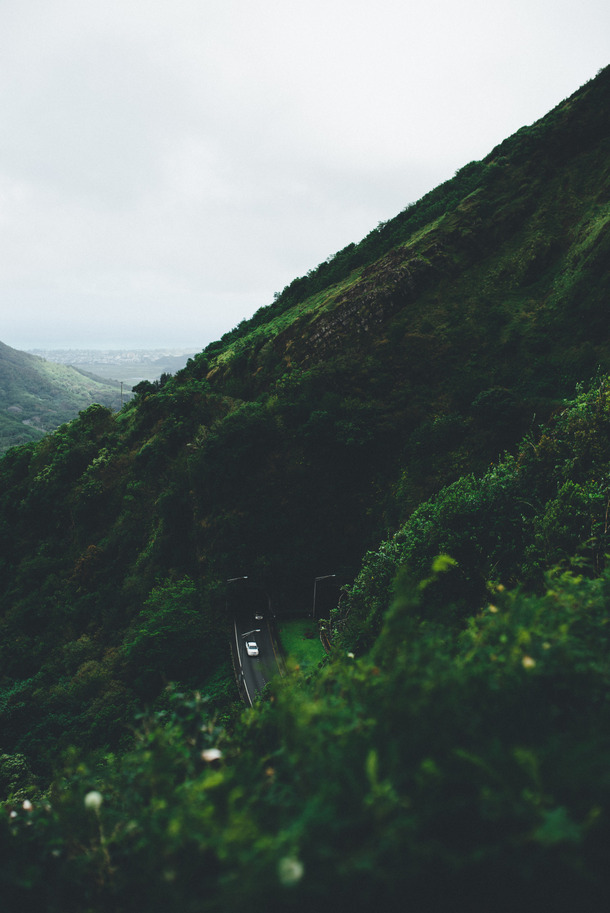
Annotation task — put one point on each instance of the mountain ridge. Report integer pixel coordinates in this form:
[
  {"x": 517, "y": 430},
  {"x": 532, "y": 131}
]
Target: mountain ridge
[
  {"x": 462, "y": 234},
  {"x": 560, "y": 130}
]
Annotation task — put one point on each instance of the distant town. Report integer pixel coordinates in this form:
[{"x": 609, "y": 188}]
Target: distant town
[{"x": 127, "y": 365}]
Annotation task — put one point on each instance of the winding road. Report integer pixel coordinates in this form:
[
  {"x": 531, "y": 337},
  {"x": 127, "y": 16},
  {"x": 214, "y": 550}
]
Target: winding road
[{"x": 254, "y": 672}]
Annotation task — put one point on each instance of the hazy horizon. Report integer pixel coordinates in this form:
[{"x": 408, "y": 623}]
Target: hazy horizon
[{"x": 107, "y": 350}]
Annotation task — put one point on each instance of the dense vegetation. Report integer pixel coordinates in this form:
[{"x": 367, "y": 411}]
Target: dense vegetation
[
  {"x": 37, "y": 396},
  {"x": 427, "y": 416}
]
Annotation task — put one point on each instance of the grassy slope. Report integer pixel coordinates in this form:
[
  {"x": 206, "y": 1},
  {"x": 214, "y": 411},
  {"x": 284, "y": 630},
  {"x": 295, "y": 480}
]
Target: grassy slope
[
  {"x": 301, "y": 642},
  {"x": 37, "y": 396},
  {"x": 514, "y": 216}
]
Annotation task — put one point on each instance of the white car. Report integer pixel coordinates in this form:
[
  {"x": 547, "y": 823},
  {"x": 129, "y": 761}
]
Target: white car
[{"x": 251, "y": 648}]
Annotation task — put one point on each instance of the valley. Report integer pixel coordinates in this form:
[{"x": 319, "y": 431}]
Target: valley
[{"x": 37, "y": 396}]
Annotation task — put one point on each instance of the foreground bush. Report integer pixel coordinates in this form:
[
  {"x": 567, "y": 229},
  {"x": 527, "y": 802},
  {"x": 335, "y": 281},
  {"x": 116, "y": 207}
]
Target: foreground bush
[{"x": 434, "y": 773}]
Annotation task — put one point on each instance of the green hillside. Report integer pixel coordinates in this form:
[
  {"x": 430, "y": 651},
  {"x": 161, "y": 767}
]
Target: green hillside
[
  {"x": 36, "y": 396},
  {"x": 425, "y": 415}
]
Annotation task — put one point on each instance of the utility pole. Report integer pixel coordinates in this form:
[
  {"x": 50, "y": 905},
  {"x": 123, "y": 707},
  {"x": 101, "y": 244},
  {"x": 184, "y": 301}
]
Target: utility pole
[{"x": 231, "y": 580}]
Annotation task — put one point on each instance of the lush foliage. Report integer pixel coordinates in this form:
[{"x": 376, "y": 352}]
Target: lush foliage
[
  {"x": 436, "y": 767},
  {"x": 548, "y": 505},
  {"x": 453, "y": 742}
]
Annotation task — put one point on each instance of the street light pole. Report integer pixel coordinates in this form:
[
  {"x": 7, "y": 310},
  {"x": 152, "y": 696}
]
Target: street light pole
[
  {"x": 231, "y": 580},
  {"x": 315, "y": 583}
]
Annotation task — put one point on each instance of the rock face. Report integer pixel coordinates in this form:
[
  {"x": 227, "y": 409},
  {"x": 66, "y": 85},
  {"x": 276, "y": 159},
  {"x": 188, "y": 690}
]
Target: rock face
[{"x": 384, "y": 289}]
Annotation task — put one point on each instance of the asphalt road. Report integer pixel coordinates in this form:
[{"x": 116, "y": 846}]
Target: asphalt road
[{"x": 255, "y": 671}]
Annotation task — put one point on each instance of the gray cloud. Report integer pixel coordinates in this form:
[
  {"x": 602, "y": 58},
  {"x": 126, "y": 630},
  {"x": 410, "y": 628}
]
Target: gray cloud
[{"x": 165, "y": 167}]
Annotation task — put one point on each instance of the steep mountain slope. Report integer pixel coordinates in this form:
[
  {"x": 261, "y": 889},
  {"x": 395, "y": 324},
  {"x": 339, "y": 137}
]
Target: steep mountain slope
[
  {"x": 511, "y": 238},
  {"x": 482, "y": 307},
  {"x": 305, "y": 436},
  {"x": 37, "y": 396}
]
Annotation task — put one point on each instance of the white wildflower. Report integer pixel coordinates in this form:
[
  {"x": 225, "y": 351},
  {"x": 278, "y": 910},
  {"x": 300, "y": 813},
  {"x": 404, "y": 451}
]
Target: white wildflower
[
  {"x": 211, "y": 754},
  {"x": 290, "y": 870},
  {"x": 93, "y": 800}
]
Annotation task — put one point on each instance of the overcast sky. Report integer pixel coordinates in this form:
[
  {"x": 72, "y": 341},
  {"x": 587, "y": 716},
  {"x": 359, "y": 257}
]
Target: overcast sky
[{"x": 167, "y": 165}]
